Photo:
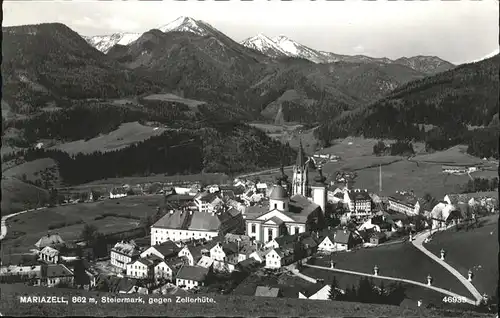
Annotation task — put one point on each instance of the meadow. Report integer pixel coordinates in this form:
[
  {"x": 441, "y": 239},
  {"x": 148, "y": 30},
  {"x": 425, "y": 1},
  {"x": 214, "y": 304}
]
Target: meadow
[
  {"x": 127, "y": 134},
  {"x": 174, "y": 98},
  {"x": 456, "y": 155},
  {"x": 44, "y": 169},
  {"x": 475, "y": 249},
  {"x": 226, "y": 306},
  {"x": 412, "y": 292},
  {"x": 68, "y": 221},
  {"x": 396, "y": 260},
  {"x": 17, "y": 194}
]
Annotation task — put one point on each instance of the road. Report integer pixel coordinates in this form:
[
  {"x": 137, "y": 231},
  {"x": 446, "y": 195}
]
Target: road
[
  {"x": 418, "y": 243},
  {"x": 4, "y": 220},
  {"x": 440, "y": 290},
  {"x": 263, "y": 172}
]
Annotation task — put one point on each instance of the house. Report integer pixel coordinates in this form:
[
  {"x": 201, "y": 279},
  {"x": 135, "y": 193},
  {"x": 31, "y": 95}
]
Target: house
[
  {"x": 213, "y": 188},
  {"x": 251, "y": 196},
  {"x": 140, "y": 268},
  {"x": 163, "y": 250},
  {"x": 377, "y": 238},
  {"x": 225, "y": 252},
  {"x": 117, "y": 193},
  {"x": 191, "y": 276},
  {"x": 193, "y": 253},
  {"x": 121, "y": 285},
  {"x": 205, "y": 261},
  {"x": 138, "y": 290},
  {"x": 180, "y": 225},
  {"x": 49, "y": 254},
  {"x": 258, "y": 255},
  {"x": 360, "y": 203},
  {"x": 123, "y": 254},
  {"x": 337, "y": 240},
  {"x": 443, "y": 213},
  {"x": 485, "y": 199},
  {"x": 318, "y": 291},
  {"x": 203, "y": 200},
  {"x": 261, "y": 187},
  {"x": 405, "y": 203},
  {"x": 52, "y": 240},
  {"x": 264, "y": 291},
  {"x": 54, "y": 274},
  {"x": 278, "y": 257}
]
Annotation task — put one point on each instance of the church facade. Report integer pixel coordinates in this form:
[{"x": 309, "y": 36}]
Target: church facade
[{"x": 289, "y": 213}]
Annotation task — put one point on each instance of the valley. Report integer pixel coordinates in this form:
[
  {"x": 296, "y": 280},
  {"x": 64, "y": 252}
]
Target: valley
[{"x": 182, "y": 135}]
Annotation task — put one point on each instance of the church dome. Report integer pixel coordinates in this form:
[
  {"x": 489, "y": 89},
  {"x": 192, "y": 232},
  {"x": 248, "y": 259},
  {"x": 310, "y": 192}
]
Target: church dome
[{"x": 278, "y": 193}]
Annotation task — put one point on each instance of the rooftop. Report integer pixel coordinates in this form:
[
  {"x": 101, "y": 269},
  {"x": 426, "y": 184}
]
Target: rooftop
[
  {"x": 264, "y": 291},
  {"x": 49, "y": 240},
  {"x": 195, "y": 273}
]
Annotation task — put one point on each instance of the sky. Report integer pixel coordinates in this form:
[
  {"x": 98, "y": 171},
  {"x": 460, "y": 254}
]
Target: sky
[{"x": 457, "y": 31}]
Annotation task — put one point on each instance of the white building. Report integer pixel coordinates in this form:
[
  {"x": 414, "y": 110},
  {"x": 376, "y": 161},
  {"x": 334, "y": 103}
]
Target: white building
[
  {"x": 182, "y": 225},
  {"x": 278, "y": 257},
  {"x": 163, "y": 250},
  {"x": 49, "y": 255},
  {"x": 123, "y": 253},
  {"x": 140, "y": 268},
  {"x": 404, "y": 203},
  {"x": 190, "y": 277},
  {"x": 117, "y": 193},
  {"x": 225, "y": 252},
  {"x": 54, "y": 274}
]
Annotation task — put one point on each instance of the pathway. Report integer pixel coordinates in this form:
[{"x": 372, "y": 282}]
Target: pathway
[
  {"x": 418, "y": 243},
  {"x": 440, "y": 290},
  {"x": 304, "y": 277}
]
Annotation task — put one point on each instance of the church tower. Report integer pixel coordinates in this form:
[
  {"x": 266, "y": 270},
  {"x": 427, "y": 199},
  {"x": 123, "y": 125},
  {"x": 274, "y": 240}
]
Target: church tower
[
  {"x": 300, "y": 184},
  {"x": 318, "y": 189}
]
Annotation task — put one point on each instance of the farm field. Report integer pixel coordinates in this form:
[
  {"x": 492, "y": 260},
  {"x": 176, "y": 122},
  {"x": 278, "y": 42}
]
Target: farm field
[
  {"x": 476, "y": 249},
  {"x": 412, "y": 292},
  {"x": 15, "y": 195},
  {"x": 228, "y": 306},
  {"x": 456, "y": 155},
  {"x": 397, "y": 260},
  {"x": 26, "y": 229},
  {"x": 127, "y": 134},
  {"x": 353, "y": 147},
  {"x": 34, "y": 169},
  {"x": 106, "y": 184},
  {"x": 174, "y": 98}
]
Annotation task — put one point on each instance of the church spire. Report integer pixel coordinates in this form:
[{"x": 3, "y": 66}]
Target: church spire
[{"x": 301, "y": 158}]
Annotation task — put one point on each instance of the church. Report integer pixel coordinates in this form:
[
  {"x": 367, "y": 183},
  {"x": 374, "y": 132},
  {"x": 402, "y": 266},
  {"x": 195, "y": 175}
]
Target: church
[{"x": 293, "y": 208}]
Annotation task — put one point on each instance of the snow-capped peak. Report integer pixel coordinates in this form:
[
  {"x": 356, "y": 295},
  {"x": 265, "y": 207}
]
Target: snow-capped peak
[
  {"x": 264, "y": 44},
  {"x": 105, "y": 42},
  {"x": 185, "y": 24}
]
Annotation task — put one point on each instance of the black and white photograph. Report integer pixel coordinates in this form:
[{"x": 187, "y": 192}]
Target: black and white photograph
[{"x": 261, "y": 158}]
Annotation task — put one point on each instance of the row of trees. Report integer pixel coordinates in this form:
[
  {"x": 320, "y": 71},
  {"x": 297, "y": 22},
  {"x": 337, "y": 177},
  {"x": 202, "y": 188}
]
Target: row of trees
[
  {"x": 399, "y": 148},
  {"x": 481, "y": 185},
  {"x": 368, "y": 292}
]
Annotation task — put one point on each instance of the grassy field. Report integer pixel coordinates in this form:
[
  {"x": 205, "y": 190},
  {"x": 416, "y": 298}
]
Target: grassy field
[
  {"x": 127, "y": 134},
  {"x": 476, "y": 249},
  {"x": 40, "y": 169},
  {"x": 412, "y": 292},
  {"x": 106, "y": 184},
  {"x": 397, "y": 260},
  {"x": 223, "y": 306},
  {"x": 15, "y": 195},
  {"x": 456, "y": 155},
  {"x": 353, "y": 147},
  {"x": 174, "y": 98},
  {"x": 26, "y": 229}
]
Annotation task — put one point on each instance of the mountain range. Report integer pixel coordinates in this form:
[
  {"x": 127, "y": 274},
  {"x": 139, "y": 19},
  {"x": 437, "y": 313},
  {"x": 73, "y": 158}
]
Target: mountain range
[{"x": 277, "y": 47}]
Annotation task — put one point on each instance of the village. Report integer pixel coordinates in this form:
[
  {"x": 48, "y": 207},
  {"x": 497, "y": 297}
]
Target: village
[{"x": 203, "y": 233}]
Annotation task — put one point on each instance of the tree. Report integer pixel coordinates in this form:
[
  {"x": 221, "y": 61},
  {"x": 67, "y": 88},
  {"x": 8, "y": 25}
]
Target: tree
[
  {"x": 89, "y": 234},
  {"x": 334, "y": 292}
]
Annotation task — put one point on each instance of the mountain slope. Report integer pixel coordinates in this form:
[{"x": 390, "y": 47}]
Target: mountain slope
[
  {"x": 466, "y": 95},
  {"x": 281, "y": 45},
  {"x": 105, "y": 42},
  {"x": 49, "y": 63}
]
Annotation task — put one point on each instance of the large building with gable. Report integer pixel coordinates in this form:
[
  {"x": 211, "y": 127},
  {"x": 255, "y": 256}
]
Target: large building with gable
[{"x": 300, "y": 211}]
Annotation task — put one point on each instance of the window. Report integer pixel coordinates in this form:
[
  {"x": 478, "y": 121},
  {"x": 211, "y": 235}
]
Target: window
[
  {"x": 297, "y": 230},
  {"x": 276, "y": 206},
  {"x": 253, "y": 228},
  {"x": 270, "y": 234}
]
